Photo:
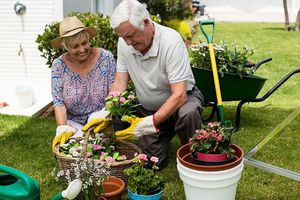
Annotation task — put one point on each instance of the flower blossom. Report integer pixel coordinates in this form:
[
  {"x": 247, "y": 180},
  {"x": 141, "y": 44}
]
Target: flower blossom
[
  {"x": 142, "y": 157},
  {"x": 97, "y": 147},
  {"x": 154, "y": 159}
]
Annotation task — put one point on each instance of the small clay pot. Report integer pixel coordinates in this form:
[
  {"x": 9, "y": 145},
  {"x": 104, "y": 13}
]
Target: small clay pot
[{"x": 113, "y": 188}]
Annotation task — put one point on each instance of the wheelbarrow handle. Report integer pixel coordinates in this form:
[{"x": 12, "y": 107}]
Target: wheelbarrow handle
[
  {"x": 260, "y": 63},
  {"x": 207, "y": 22}
]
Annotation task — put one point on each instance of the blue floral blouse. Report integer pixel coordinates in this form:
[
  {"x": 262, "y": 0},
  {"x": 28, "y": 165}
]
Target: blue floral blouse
[{"x": 82, "y": 95}]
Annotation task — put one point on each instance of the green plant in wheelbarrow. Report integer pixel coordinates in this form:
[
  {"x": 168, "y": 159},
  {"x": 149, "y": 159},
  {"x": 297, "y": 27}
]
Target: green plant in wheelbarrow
[
  {"x": 228, "y": 58},
  {"x": 236, "y": 71}
]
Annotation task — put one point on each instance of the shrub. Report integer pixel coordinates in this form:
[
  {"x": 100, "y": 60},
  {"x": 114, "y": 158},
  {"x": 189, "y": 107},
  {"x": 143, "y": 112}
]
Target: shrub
[
  {"x": 105, "y": 37},
  {"x": 170, "y": 9},
  {"x": 180, "y": 26}
]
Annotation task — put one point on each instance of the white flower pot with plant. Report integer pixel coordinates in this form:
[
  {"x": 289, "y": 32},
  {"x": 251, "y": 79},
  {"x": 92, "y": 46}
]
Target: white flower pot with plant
[{"x": 210, "y": 179}]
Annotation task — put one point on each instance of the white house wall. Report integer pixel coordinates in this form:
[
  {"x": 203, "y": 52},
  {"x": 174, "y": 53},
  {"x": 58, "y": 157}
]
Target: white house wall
[{"x": 25, "y": 67}]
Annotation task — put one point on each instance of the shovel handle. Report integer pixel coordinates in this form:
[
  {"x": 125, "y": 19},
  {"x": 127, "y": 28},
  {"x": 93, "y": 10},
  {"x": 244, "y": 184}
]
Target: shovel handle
[{"x": 207, "y": 22}]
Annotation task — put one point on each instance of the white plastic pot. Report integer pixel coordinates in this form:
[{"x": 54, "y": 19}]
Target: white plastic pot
[
  {"x": 210, "y": 185},
  {"x": 25, "y": 96}
]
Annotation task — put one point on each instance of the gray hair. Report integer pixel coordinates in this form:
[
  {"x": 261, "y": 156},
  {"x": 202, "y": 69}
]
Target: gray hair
[
  {"x": 132, "y": 11},
  {"x": 66, "y": 41}
]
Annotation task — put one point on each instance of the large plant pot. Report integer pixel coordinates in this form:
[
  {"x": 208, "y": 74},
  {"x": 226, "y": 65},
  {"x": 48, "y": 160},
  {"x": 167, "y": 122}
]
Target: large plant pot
[
  {"x": 209, "y": 182},
  {"x": 135, "y": 196},
  {"x": 113, "y": 188}
]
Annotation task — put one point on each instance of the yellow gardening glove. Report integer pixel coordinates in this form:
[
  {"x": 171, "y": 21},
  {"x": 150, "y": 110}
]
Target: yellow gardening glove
[
  {"x": 138, "y": 128},
  {"x": 99, "y": 123},
  {"x": 99, "y": 120},
  {"x": 63, "y": 133}
]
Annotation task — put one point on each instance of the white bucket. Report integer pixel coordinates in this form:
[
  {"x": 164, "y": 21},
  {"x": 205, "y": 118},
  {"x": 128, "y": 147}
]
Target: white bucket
[
  {"x": 24, "y": 95},
  {"x": 210, "y": 185}
]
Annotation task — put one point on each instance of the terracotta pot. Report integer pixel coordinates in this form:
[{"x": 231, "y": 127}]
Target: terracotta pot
[
  {"x": 113, "y": 188},
  {"x": 184, "y": 157}
]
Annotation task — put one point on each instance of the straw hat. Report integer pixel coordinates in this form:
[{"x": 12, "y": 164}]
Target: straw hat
[{"x": 70, "y": 26}]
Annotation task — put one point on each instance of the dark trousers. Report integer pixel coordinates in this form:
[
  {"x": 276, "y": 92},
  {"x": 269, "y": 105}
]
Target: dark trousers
[{"x": 183, "y": 122}]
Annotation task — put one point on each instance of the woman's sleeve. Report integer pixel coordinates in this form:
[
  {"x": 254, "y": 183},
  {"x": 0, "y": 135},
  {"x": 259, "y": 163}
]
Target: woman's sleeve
[
  {"x": 56, "y": 83},
  {"x": 113, "y": 69}
]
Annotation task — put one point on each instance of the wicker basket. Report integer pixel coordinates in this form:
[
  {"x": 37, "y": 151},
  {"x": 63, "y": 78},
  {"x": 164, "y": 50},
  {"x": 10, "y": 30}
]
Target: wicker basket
[{"x": 123, "y": 147}]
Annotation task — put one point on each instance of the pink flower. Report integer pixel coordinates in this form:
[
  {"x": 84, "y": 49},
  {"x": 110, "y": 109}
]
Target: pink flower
[
  {"x": 88, "y": 154},
  {"x": 219, "y": 138},
  {"x": 114, "y": 94},
  {"x": 154, "y": 159},
  {"x": 142, "y": 157},
  {"x": 210, "y": 124},
  {"x": 97, "y": 147},
  {"x": 109, "y": 159},
  {"x": 122, "y": 99},
  {"x": 200, "y": 137}
]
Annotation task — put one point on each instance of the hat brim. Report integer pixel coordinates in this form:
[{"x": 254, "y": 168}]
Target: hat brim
[{"x": 56, "y": 43}]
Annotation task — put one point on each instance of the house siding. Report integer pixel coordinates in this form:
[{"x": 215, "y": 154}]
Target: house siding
[{"x": 16, "y": 31}]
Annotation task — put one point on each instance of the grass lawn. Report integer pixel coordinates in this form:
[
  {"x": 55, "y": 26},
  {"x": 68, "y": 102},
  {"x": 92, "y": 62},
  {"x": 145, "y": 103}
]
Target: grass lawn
[{"x": 26, "y": 142}]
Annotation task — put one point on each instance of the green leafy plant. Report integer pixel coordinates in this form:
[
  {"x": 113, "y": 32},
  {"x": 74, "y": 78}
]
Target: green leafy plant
[
  {"x": 122, "y": 104},
  {"x": 228, "y": 58},
  {"x": 105, "y": 37},
  {"x": 142, "y": 177},
  {"x": 181, "y": 26},
  {"x": 212, "y": 139},
  {"x": 170, "y": 9}
]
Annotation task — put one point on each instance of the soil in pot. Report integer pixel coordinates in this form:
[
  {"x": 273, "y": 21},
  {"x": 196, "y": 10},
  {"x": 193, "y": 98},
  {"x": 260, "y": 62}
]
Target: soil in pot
[{"x": 118, "y": 124}]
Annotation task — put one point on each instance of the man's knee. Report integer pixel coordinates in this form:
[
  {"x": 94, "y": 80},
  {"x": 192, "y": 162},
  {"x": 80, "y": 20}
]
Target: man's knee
[{"x": 190, "y": 111}]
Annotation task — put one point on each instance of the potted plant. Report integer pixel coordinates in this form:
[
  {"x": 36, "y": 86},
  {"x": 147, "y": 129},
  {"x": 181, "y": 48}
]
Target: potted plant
[
  {"x": 205, "y": 176},
  {"x": 211, "y": 144},
  {"x": 143, "y": 182},
  {"x": 237, "y": 81},
  {"x": 121, "y": 105}
]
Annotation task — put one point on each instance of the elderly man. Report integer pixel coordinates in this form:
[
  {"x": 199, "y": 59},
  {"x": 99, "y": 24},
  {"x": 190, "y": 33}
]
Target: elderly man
[{"x": 155, "y": 58}]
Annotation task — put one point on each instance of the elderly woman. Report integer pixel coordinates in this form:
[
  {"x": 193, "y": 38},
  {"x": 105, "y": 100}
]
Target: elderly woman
[{"x": 80, "y": 78}]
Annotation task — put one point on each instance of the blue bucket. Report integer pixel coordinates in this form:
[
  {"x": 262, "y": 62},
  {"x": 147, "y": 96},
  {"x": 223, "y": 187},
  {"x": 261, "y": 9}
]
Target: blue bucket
[{"x": 135, "y": 196}]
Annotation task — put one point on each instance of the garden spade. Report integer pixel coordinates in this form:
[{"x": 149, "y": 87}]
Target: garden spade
[{"x": 210, "y": 27}]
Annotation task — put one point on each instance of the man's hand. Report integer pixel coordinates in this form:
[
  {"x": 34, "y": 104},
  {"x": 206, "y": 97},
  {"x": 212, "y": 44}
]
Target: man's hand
[
  {"x": 99, "y": 120},
  {"x": 63, "y": 133},
  {"x": 138, "y": 128}
]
